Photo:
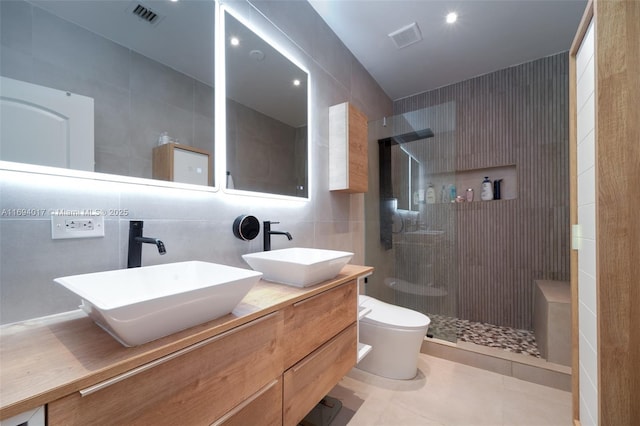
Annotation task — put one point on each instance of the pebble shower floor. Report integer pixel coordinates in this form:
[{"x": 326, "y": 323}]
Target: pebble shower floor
[{"x": 494, "y": 336}]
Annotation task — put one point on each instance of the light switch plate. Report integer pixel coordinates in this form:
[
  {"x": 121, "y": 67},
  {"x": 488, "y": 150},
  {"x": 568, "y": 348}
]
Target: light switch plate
[
  {"x": 576, "y": 236},
  {"x": 76, "y": 226}
]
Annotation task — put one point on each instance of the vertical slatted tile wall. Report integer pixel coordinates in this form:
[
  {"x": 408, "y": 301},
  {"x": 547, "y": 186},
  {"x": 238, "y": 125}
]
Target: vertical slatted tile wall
[{"x": 517, "y": 115}]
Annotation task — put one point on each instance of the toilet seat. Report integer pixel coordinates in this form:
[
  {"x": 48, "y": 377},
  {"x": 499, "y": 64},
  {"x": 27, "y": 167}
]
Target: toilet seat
[{"x": 386, "y": 315}]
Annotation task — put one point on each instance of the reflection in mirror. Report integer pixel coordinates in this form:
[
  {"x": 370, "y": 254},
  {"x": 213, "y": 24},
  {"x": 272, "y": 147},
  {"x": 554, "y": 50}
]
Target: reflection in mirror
[
  {"x": 266, "y": 109},
  {"x": 406, "y": 178},
  {"x": 402, "y": 173},
  {"x": 139, "y": 75}
]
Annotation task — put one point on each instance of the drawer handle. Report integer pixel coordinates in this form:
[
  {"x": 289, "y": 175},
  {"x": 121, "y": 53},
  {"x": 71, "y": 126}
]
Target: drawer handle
[
  {"x": 309, "y": 358},
  {"x": 324, "y": 293},
  {"x": 303, "y": 301},
  {"x": 244, "y": 403},
  {"x": 323, "y": 348},
  {"x": 112, "y": 381}
]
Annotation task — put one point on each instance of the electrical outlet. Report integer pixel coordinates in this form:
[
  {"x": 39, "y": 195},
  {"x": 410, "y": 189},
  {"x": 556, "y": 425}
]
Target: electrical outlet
[{"x": 81, "y": 226}]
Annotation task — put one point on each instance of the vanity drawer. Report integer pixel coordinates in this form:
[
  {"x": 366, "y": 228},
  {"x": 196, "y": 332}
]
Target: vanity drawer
[
  {"x": 264, "y": 408},
  {"x": 194, "y": 386},
  {"x": 311, "y": 322},
  {"x": 307, "y": 382}
]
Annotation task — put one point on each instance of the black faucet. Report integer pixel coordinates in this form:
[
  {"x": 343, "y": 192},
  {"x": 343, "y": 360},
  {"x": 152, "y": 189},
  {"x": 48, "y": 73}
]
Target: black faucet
[
  {"x": 266, "y": 229},
  {"x": 134, "y": 259}
]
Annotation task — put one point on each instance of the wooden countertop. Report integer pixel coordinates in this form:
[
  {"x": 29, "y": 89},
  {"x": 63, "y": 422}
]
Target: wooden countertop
[{"x": 47, "y": 358}]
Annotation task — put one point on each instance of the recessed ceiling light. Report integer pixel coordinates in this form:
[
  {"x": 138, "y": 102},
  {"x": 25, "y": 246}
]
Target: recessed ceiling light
[
  {"x": 296, "y": 82},
  {"x": 174, "y": 1},
  {"x": 234, "y": 41},
  {"x": 452, "y": 17}
]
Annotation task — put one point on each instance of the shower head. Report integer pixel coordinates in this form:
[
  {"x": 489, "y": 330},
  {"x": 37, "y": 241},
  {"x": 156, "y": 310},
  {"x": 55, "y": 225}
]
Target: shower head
[
  {"x": 413, "y": 136},
  {"x": 407, "y": 137}
]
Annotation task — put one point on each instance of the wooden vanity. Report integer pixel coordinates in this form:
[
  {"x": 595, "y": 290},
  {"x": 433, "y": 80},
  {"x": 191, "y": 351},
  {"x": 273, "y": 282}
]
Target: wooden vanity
[{"x": 270, "y": 361}]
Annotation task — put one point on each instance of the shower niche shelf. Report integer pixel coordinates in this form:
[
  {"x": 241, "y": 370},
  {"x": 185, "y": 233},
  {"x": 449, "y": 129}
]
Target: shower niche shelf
[{"x": 472, "y": 178}]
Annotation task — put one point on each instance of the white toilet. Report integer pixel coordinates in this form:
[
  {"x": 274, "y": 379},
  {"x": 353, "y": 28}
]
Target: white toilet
[{"x": 395, "y": 335}]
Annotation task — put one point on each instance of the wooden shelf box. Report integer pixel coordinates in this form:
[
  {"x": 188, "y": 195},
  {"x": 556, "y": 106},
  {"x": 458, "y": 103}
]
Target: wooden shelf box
[
  {"x": 348, "y": 161},
  {"x": 182, "y": 163}
]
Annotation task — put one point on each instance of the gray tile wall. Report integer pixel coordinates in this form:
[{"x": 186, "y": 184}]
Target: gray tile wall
[
  {"x": 515, "y": 116},
  {"x": 193, "y": 224}
]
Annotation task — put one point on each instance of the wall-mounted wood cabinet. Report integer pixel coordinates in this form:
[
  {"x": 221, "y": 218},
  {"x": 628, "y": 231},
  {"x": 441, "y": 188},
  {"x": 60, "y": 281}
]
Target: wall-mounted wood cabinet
[
  {"x": 348, "y": 157},
  {"x": 272, "y": 371},
  {"x": 270, "y": 363},
  {"x": 181, "y": 163}
]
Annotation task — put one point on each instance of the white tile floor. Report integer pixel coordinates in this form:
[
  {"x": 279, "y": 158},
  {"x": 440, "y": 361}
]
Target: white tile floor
[{"x": 451, "y": 394}]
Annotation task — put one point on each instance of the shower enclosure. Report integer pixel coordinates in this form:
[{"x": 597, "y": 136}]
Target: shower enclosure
[{"x": 411, "y": 234}]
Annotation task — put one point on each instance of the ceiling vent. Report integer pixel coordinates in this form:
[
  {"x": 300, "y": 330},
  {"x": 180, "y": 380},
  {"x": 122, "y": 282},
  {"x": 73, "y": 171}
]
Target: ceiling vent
[
  {"x": 406, "y": 35},
  {"x": 145, "y": 13}
]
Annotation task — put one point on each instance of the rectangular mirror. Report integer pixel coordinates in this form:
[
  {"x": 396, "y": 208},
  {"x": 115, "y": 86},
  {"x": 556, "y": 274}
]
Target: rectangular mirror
[
  {"x": 118, "y": 87},
  {"x": 266, "y": 115}
]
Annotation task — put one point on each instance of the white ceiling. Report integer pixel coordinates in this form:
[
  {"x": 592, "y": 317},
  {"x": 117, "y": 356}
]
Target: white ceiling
[{"x": 489, "y": 35}]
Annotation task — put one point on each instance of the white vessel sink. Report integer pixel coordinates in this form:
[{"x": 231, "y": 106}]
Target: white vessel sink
[
  {"x": 299, "y": 267},
  {"x": 138, "y": 305}
]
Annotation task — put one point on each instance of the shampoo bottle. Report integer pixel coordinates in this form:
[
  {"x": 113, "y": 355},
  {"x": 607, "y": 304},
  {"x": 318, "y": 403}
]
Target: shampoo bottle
[
  {"x": 452, "y": 193},
  {"x": 487, "y": 190},
  {"x": 496, "y": 189},
  {"x": 431, "y": 195}
]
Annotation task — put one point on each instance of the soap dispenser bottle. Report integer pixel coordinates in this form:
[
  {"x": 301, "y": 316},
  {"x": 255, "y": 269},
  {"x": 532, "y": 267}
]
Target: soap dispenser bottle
[{"x": 487, "y": 190}]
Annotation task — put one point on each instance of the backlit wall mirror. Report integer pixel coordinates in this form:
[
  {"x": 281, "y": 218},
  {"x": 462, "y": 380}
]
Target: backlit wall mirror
[
  {"x": 266, "y": 115},
  {"x": 106, "y": 85}
]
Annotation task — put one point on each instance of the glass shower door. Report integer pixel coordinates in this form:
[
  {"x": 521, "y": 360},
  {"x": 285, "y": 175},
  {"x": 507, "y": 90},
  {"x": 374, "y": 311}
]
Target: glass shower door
[{"x": 411, "y": 237}]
